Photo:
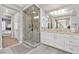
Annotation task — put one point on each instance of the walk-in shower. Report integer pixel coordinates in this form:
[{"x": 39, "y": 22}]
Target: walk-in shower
[{"x": 31, "y": 25}]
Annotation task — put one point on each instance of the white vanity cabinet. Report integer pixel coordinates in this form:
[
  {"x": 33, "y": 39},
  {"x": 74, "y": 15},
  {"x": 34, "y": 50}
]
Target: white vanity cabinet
[
  {"x": 53, "y": 39},
  {"x": 43, "y": 37},
  {"x": 60, "y": 41},
  {"x": 72, "y": 44},
  {"x": 47, "y": 38},
  {"x": 65, "y": 42}
]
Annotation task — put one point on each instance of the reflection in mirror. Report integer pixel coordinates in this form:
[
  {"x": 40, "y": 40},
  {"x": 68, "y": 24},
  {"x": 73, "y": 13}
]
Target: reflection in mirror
[
  {"x": 62, "y": 23},
  {"x": 59, "y": 23},
  {"x": 59, "y": 20}
]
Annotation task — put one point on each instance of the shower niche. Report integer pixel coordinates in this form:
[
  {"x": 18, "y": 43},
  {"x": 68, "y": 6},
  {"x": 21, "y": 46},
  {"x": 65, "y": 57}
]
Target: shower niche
[{"x": 31, "y": 26}]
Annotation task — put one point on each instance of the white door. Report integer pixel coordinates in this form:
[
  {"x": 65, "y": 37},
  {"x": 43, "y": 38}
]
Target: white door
[{"x": 0, "y": 32}]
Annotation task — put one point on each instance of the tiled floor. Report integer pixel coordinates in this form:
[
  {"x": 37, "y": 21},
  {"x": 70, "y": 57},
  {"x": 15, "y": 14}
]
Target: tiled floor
[
  {"x": 44, "y": 49},
  {"x": 21, "y": 48}
]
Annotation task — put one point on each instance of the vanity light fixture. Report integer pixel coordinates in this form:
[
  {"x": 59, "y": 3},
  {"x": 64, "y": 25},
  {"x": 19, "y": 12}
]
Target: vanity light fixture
[{"x": 59, "y": 12}]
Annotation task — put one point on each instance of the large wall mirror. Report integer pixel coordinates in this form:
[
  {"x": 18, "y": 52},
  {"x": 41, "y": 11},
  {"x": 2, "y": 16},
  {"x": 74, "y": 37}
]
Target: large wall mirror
[
  {"x": 62, "y": 23},
  {"x": 59, "y": 23},
  {"x": 63, "y": 20}
]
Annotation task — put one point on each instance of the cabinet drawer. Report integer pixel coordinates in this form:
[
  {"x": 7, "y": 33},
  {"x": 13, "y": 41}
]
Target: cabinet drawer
[
  {"x": 77, "y": 49},
  {"x": 71, "y": 48},
  {"x": 72, "y": 41}
]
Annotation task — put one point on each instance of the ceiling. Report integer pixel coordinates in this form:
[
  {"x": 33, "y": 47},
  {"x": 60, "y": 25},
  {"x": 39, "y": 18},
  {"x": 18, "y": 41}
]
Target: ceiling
[
  {"x": 45, "y": 7},
  {"x": 50, "y": 7},
  {"x": 21, "y": 5},
  {"x": 13, "y": 8},
  {"x": 32, "y": 10},
  {"x": 10, "y": 9}
]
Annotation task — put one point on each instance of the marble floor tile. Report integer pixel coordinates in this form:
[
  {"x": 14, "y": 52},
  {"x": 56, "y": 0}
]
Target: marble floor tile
[
  {"x": 44, "y": 49},
  {"x": 20, "y": 49},
  {"x": 25, "y": 49}
]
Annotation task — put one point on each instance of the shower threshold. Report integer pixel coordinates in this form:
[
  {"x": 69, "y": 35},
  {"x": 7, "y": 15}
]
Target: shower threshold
[{"x": 32, "y": 43}]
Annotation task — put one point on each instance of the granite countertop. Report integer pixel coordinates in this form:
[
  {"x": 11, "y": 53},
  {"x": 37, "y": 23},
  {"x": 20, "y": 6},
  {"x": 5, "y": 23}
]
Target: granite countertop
[{"x": 61, "y": 32}]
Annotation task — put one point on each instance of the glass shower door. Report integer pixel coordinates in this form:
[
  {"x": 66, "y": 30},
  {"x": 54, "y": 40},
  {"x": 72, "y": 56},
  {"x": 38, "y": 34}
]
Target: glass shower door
[
  {"x": 27, "y": 28},
  {"x": 31, "y": 28},
  {"x": 36, "y": 30}
]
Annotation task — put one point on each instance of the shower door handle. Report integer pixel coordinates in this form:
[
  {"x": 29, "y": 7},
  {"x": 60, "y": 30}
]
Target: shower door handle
[
  {"x": 32, "y": 29},
  {"x": 32, "y": 26}
]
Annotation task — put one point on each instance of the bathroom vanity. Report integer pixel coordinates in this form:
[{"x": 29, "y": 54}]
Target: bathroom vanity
[
  {"x": 62, "y": 32},
  {"x": 66, "y": 41}
]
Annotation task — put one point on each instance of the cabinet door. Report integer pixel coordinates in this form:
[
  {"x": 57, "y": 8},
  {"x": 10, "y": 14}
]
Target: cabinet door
[
  {"x": 60, "y": 40},
  {"x": 55, "y": 40},
  {"x": 72, "y": 44},
  {"x": 70, "y": 48},
  {"x": 43, "y": 36},
  {"x": 72, "y": 41},
  {"x": 47, "y": 38},
  {"x": 51, "y": 39}
]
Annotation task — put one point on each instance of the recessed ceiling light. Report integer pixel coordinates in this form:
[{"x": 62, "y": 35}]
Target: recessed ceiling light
[{"x": 6, "y": 10}]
